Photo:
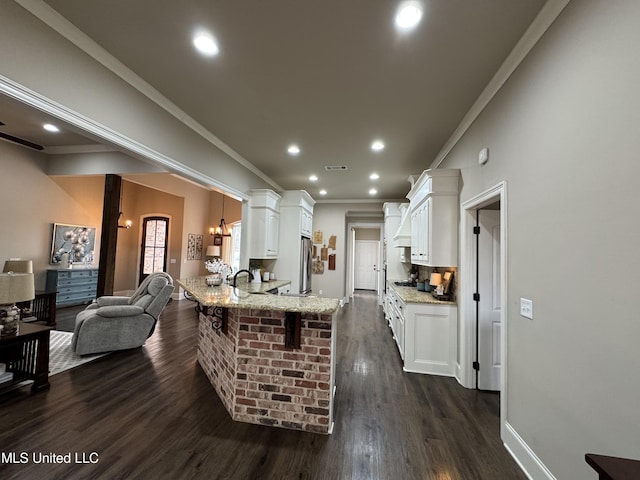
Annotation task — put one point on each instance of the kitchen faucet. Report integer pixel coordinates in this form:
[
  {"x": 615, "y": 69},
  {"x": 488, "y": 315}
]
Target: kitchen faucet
[{"x": 240, "y": 271}]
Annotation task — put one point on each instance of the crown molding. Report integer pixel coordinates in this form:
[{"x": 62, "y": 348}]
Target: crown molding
[
  {"x": 66, "y": 29},
  {"x": 547, "y": 15},
  {"x": 29, "y": 97}
]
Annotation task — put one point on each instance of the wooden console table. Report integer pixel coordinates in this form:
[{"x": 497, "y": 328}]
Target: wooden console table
[{"x": 26, "y": 354}]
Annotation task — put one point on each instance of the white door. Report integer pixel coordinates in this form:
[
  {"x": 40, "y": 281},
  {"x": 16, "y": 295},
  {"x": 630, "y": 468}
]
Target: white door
[
  {"x": 366, "y": 270},
  {"x": 489, "y": 354}
]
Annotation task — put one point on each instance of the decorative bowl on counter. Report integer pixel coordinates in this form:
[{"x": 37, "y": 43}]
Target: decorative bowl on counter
[{"x": 213, "y": 280}]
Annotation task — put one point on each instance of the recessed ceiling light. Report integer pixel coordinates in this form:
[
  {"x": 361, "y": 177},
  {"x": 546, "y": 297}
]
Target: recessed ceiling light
[
  {"x": 313, "y": 178},
  {"x": 377, "y": 145},
  {"x": 409, "y": 15},
  {"x": 293, "y": 149},
  {"x": 372, "y": 191},
  {"x": 322, "y": 192},
  {"x": 205, "y": 44},
  {"x": 374, "y": 176},
  {"x": 50, "y": 128}
]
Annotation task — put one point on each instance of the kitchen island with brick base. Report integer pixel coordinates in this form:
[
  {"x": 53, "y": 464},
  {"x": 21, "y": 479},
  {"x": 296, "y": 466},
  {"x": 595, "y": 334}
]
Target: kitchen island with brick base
[{"x": 270, "y": 358}]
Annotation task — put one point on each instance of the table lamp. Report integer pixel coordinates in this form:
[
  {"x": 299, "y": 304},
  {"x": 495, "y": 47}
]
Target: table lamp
[
  {"x": 18, "y": 266},
  {"x": 213, "y": 251},
  {"x": 14, "y": 287},
  {"x": 436, "y": 281}
]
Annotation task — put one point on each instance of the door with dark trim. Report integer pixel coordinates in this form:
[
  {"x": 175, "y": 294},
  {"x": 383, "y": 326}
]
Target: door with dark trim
[{"x": 153, "y": 253}]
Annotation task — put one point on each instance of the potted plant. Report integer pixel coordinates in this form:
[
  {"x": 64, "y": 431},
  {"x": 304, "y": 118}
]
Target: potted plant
[{"x": 413, "y": 273}]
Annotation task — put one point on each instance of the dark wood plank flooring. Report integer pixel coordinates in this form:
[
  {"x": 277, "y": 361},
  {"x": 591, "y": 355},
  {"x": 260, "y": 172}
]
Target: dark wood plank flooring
[{"x": 150, "y": 413}]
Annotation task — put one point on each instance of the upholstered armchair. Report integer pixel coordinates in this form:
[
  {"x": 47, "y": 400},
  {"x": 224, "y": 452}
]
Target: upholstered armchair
[{"x": 119, "y": 323}]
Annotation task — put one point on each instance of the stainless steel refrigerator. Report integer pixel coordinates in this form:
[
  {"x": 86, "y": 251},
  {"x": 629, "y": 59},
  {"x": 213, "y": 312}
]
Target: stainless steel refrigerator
[{"x": 305, "y": 265}]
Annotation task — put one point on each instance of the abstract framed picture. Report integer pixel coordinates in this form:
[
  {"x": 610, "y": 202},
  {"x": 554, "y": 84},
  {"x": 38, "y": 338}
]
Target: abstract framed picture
[
  {"x": 76, "y": 240},
  {"x": 194, "y": 246}
]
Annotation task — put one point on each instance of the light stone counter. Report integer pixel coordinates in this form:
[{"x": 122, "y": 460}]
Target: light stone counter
[
  {"x": 413, "y": 295},
  {"x": 251, "y": 295}
]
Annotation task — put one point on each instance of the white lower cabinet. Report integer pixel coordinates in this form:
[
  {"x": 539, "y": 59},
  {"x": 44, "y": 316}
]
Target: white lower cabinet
[
  {"x": 395, "y": 317},
  {"x": 430, "y": 338},
  {"x": 426, "y": 334}
]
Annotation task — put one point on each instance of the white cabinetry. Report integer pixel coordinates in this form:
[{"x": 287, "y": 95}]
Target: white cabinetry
[
  {"x": 426, "y": 334},
  {"x": 396, "y": 318},
  {"x": 430, "y": 338},
  {"x": 306, "y": 219},
  {"x": 420, "y": 241},
  {"x": 433, "y": 202},
  {"x": 296, "y": 221},
  {"x": 264, "y": 223}
]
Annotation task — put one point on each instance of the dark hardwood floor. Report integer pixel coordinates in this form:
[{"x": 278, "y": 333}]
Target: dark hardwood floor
[{"x": 150, "y": 413}]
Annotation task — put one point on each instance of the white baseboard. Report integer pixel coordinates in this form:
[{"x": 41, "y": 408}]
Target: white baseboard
[{"x": 526, "y": 458}]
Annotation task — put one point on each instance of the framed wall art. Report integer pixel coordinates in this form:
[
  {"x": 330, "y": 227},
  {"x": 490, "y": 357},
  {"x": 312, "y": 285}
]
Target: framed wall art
[
  {"x": 75, "y": 240},
  {"x": 194, "y": 246}
]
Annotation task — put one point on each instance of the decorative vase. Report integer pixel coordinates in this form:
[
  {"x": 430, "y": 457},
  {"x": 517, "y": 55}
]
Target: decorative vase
[
  {"x": 256, "y": 276},
  {"x": 9, "y": 316}
]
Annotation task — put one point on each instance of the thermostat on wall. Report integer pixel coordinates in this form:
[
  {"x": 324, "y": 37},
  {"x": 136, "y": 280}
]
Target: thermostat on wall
[{"x": 483, "y": 157}]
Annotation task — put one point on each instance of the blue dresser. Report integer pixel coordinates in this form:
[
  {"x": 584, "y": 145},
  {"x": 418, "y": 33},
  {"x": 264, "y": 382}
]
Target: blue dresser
[{"x": 74, "y": 286}]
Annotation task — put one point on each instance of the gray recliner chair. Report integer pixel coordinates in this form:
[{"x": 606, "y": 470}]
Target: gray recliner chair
[{"x": 120, "y": 323}]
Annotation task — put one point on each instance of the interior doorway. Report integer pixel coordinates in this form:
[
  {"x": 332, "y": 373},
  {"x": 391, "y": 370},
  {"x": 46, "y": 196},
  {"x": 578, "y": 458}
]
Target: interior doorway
[
  {"x": 488, "y": 303},
  {"x": 363, "y": 232},
  {"x": 366, "y": 255},
  {"x": 484, "y": 345}
]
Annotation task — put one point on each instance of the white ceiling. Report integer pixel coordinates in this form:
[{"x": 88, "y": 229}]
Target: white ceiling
[{"x": 329, "y": 75}]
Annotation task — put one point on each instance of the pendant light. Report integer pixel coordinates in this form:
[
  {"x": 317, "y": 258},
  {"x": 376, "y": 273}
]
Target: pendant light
[{"x": 221, "y": 230}]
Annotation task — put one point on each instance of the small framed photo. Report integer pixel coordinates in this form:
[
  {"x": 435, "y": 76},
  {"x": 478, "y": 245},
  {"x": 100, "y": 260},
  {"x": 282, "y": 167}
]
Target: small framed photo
[{"x": 217, "y": 240}]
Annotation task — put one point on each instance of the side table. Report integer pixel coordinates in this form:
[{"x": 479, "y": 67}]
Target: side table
[
  {"x": 26, "y": 354},
  {"x": 42, "y": 307}
]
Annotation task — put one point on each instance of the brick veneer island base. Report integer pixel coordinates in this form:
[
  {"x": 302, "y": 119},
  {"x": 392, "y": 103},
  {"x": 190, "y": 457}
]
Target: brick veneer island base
[{"x": 270, "y": 358}]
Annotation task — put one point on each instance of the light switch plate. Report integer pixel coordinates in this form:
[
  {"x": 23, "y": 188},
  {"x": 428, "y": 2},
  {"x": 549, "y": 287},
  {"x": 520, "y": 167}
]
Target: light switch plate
[{"x": 526, "y": 308}]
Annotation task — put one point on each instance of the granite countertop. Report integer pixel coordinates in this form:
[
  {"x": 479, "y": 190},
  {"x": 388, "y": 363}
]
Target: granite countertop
[
  {"x": 412, "y": 295},
  {"x": 251, "y": 295}
]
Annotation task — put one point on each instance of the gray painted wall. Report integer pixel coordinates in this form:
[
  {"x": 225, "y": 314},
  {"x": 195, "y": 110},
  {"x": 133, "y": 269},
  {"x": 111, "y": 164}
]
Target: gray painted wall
[{"x": 563, "y": 133}]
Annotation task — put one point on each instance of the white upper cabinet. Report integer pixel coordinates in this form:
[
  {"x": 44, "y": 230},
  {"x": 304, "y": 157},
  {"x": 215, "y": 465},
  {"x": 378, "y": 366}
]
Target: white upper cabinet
[
  {"x": 433, "y": 202},
  {"x": 297, "y": 207},
  {"x": 306, "y": 223},
  {"x": 264, "y": 223},
  {"x": 296, "y": 221}
]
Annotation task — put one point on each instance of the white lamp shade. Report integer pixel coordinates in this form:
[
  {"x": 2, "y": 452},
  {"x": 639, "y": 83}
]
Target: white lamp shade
[
  {"x": 435, "y": 279},
  {"x": 18, "y": 266},
  {"x": 213, "y": 251},
  {"x": 16, "y": 287}
]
